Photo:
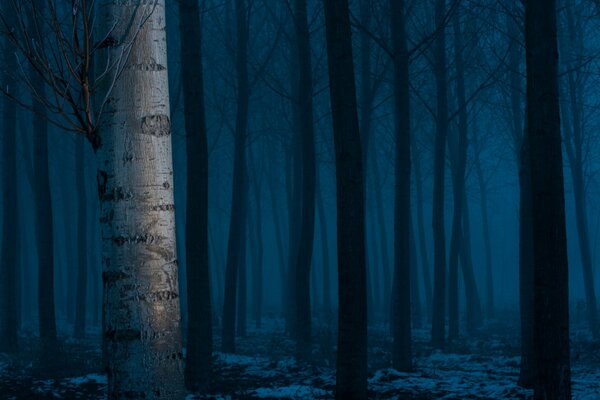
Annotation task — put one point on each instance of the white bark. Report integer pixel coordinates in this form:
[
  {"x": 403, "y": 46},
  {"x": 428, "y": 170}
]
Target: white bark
[{"x": 135, "y": 178}]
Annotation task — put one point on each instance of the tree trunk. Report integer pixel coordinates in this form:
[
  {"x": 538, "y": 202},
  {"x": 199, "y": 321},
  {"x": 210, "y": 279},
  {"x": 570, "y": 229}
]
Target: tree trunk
[
  {"x": 82, "y": 243},
  {"x": 438, "y": 326},
  {"x": 278, "y": 238},
  {"x": 527, "y": 372},
  {"x": 242, "y": 298},
  {"x": 257, "y": 251},
  {"x": 44, "y": 227},
  {"x": 474, "y": 314},
  {"x": 199, "y": 334},
  {"x": 458, "y": 183},
  {"x": 487, "y": 241},
  {"x": 324, "y": 254},
  {"x": 401, "y": 351},
  {"x": 416, "y": 309},
  {"x": 421, "y": 230},
  {"x": 135, "y": 181},
  {"x": 351, "y": 377},
  {"x": 237, "y": 225},
  {"x": 551, "y": 290},
  {"x": 10, "y": 224},
  {"x": 307, "y": 226}
]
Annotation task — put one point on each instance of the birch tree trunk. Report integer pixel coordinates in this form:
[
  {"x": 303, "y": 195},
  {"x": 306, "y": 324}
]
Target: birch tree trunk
[{"x": 135, "y": 181}]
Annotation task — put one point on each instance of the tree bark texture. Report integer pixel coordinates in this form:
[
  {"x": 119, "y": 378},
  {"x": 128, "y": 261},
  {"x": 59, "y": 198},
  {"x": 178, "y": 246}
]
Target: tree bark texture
[{"x": 135, "y": 181}]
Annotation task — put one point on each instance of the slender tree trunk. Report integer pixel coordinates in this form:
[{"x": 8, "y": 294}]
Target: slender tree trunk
[
  {"x": 257, "y": 251},
  {"x": 306, "y": 130},
  {"x": 199, "y": 334},
  {"x": 421, "y": 230},
  {"x": 242, "y": 298},
  {"x": 351, "y": 377},
  {"x": 551, "y": 290},
  {"x": 439, "y": 240},
  {"x": 487, "y": 241},
  {"x": 82, "y": 242},
  {"x": 416, "y": 309},
  {"x": 135, "y": 182},
  {"x": 401, "y": 351},
  {"x": 278, "y": 237},
  {"x": 383, "y": 237},
  {"x": 10, "y": 224},
  {"x": 44, "y": 232},
  {"x": 237, "y": 226},
  {"x": 324, "y": 253},
  {"x": 474, "y": 314},
  {"x": 458, "y": 183}
]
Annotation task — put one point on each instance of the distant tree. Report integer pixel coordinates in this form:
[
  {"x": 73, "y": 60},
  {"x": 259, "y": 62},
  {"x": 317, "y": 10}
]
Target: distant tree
[
  {"x": 402, "y": 354},
  {"x": 551, "y": 300},
  {"x": 237, "y": 227},
  {"x": 351, "y": 378},
  {"x": 438, "y": 326},
  {"x": 307, "y": 143}
]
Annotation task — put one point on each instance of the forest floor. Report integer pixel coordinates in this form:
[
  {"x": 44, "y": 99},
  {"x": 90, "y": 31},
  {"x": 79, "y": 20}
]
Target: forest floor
[{"x": 482, "y": 366}]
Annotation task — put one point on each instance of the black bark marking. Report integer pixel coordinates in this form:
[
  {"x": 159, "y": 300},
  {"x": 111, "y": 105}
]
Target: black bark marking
[
  {"x": 135, "y": 239},
  {"x": 156, "y": 125},
  {"x": 153, "y": 66},
  {"x": 122, "y": 335},
  {"x": 117, "y": 194},
  {"x": 101, "y": 179},
  {"x": 113, "y": 276},
  {"x": 159, "y": 296}
]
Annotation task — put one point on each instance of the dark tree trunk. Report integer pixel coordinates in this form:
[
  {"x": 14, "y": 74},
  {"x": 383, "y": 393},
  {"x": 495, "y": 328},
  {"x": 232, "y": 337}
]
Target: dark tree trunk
[
  {"x": 278, "y": 237},
  {"x": 527, "y": 371},
  {"x": 199, "y": 334},
  {"x": 351, "y": 377},
  {"x": 458, "y": 183},
  {"x": 237, "y": 226},
  {"x": 325, "y": 254},
  {"x": 474, "y": 314},
  {"x": 438, "y": 326},
  {"x": 487, "y": 241},
  {"x": 550, "y": 272},
  {"x": 421, "y": 230},
  {"x": 401, "y": 352},
  {"x": 44, "y": 231},
  {"x": 10, "y": 223},
  {"x": 82, "y": 243},
  {"x": 306, "y": 130},
  {"x": 257, "y": 250},
  {"x": 242, "y": 298},
  {"x": 415, "y": 293}
]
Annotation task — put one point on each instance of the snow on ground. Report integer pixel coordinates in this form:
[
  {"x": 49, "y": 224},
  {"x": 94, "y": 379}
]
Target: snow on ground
[{"x": 483, "y": 366}]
